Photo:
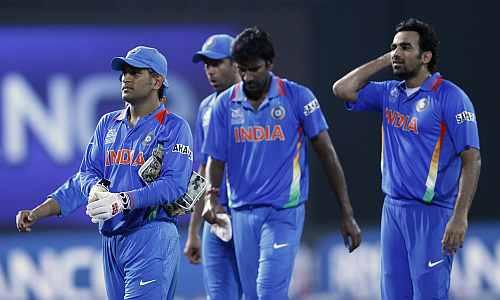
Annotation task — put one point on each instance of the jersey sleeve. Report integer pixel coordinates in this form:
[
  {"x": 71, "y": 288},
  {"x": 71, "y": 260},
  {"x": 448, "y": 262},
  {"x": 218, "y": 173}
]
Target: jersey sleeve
[
  {"x": 309, "y": 112},
  {"x": 217, "y": 137},
  {"x": 176, "y": 170},
  {"x": 92, "y": 167},
  {"x": 460, "y": 119},
  {"x": 370, "y": 97},
  {"x": 69, "y": 196}
]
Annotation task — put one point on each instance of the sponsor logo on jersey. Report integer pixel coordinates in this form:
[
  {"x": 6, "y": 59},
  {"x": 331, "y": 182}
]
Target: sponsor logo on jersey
[
  {"x": 465, "y": 116},
  {"x": 184, "y": 150},
  {"x": 110, "y": 136},
  {"x": 237, "y": 116},
  {"x": 310, "y": 107},
  {"x": 278, "y": 112},
  {"x": 394, "y": 94},
  {"x": 401, "y": 121},
  {"x": 124, "y": 157},
  {"x": 422, "y": 104},
  {"x": 258, "y": 134}
]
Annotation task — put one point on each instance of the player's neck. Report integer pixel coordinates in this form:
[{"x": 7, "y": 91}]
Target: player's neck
[
  {"x": 418, "y": 79},
  {"x": 139, "y": 110}
]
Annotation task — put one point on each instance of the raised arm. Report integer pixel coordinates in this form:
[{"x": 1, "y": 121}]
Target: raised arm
[{"x": 347, "y": 87}]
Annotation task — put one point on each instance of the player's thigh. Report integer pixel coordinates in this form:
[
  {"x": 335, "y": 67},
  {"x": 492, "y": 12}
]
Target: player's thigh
[
  {"x": 151, "y": 257},
  {"x": 113, "y": 271},
  {"x": 247, "y": 225},
  {"x": 279, "y": 244},
  {"x": 395, "y": 279},
  {"x": 430, "y": 268},
  {"x": 220, "y": 271}
]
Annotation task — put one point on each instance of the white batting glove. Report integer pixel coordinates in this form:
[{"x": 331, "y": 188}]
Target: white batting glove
[
  {"x": 94, "y": 190},
  {"x": 107, "y": 206}
]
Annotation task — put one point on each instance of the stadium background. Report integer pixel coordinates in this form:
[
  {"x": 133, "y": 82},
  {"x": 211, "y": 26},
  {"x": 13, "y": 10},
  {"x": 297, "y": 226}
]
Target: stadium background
[{"x": 55, "y": 55}]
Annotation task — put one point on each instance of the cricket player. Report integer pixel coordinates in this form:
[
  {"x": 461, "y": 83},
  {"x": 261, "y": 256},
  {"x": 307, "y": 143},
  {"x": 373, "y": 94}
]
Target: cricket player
[
  {"x": 259, "y": 131},
  {"x": 144, "y": 151},
  {"x": 220, "y": 271},
  {"x": 430, "y": 161}
]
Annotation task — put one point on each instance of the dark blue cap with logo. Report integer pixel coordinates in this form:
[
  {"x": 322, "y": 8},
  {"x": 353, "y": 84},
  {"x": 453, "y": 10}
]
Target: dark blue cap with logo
[
  {"x": 144, "y": 57},
  {"x": 217, "y": 46}
]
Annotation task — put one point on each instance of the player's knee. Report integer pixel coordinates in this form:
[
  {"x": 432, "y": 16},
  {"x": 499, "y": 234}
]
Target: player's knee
[{"x": 433, "y": 285}]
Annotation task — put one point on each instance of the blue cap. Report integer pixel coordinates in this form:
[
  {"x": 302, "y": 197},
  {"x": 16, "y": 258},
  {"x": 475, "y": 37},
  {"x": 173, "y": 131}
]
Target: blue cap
[
  {"x": 217, "y": 46},
  {"x": 144, "y": 57}
]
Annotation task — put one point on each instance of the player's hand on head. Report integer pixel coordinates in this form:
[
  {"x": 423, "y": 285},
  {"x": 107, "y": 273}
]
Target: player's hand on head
[
  {"x": 192, "y": 249},
  {"x": 454, "y": 235},
  {"x": 24, "y": 220},
  {"x": 350, "y": 232},
  {"x": 107, "y": 206}
]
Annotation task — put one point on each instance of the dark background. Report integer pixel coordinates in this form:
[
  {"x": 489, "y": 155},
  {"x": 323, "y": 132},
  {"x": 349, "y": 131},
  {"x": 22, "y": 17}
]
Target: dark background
[{"x": 316, "y": 43}]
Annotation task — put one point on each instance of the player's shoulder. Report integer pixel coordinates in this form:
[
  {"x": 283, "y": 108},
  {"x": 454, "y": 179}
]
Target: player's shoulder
[
  {"x": 207, "y": 101},
  {"x": 174, "y": 120},
  {"x": 450, "y": 91},
  {"x": 295, "y": 92},
  {"x": 110, "y": 117}
]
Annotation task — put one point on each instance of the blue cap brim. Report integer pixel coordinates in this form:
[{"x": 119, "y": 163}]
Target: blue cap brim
[
  {"x": 118, "y": 62},
  {"x": 200, "y": 55}
]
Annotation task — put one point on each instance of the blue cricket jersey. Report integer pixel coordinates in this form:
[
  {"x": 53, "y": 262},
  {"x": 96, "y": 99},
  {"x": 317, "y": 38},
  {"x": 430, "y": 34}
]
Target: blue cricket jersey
[
  {"x": 422, "y": 137},
  {"x": 201, "y": 128},
  {"x": 117, "y": 151},
  {"x": 265, "y": 149}
]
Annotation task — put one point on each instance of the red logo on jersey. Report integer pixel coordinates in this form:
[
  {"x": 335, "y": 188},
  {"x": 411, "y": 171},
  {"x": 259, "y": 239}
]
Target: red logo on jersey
[
  {"x": 404, "y": 122},
  {"x": 124, "y": 157},
  {"x": 258, "y": 134}
]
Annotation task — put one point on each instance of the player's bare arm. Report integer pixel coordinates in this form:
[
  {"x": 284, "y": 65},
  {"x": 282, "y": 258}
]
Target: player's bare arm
[
  {"x": 456, "y": 228},
  {"x": 25, "y": 219},
  {"x": 323, "y": 147},
  {"x": 215, "y": 171},
  {"x": 347, "y": 87},
  {"x": 192, "y": 249}
]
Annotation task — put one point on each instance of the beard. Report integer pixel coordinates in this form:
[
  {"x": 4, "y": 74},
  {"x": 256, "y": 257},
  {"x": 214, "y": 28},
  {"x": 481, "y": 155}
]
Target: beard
[
  {"x": 255, "y": 90},
  {"x": 404, "y": 73}
]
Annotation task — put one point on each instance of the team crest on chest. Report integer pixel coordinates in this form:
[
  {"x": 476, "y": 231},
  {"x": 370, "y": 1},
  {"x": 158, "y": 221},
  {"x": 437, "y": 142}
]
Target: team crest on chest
[
  {"x": 422, "y": 104},
  {"x": 278, "y": 112},
  {"x": 148, "y": 139}
]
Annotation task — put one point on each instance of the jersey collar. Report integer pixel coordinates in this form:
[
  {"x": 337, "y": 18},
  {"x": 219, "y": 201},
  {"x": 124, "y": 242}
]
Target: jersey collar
[
  {"x": 276, "y": 89},
  {"x": 427, "y": 85},
  {"x": 159, "y": 114}
]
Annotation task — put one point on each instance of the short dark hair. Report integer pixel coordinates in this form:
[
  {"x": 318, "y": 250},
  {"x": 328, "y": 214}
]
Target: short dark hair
[
  {"x": 428, "y": 40},
  {"x": 253, "y": 43}
]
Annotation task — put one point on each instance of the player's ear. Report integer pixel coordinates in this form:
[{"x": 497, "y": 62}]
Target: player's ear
[
  {"x": 269, "y": 65},
  {"x": 426, "y": 56}
]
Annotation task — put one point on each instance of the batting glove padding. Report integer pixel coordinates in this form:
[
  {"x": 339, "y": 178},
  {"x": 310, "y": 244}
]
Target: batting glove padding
[
  {"x": 107, "y": 206},
  {"x": 98, "y": 187}
]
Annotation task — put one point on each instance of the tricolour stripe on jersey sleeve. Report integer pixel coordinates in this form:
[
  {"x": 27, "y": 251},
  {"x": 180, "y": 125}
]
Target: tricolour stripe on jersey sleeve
[
  {"x": 433, "y": 168},
  {"x": 295, "y": 186}
]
